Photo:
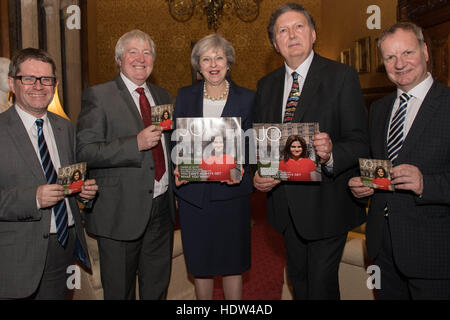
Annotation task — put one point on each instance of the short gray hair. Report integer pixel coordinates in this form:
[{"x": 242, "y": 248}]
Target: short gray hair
[
  {"x": 131, "y": 35},
  {"x": 212, "y": 41},
  {"x": 291, "y": 6},
  {"x": 405, "y": 26}
]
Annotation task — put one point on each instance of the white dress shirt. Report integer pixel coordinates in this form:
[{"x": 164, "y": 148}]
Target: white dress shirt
[
  {"x": 302, "y": 71},
  {"x": 213, "y": 108},
  {"x": 417, "y": 94},
  {"x": 162, "y": 185},
  {"x": 29, "y": 123}
]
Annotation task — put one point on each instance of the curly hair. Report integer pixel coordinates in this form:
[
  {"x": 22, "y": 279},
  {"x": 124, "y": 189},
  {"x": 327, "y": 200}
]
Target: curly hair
[
  {"x": 164, "y": 112},
  {"x": 287, "y": 148},
  {"x": 79, "y": 175},
  {"x": 376, "y": 172}
]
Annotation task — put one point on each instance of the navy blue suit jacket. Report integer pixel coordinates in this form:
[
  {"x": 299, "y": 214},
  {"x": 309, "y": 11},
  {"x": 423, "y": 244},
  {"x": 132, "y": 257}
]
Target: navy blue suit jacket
[
  {"x": 189, "y": 104},
  {"x": 420, "y": 227},
  {"x": 332, "y": 96}
]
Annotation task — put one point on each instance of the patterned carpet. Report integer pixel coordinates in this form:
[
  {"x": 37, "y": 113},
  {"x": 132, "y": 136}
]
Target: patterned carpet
[{"x": 265, "y": 278}]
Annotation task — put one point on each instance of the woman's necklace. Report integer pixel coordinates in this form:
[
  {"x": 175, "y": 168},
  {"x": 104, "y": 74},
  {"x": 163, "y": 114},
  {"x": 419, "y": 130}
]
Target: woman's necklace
[{"x": 221, "y": 97}]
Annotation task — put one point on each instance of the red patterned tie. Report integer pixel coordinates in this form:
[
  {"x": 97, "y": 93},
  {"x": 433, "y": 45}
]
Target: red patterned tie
[{"x": 158, "y": 153}]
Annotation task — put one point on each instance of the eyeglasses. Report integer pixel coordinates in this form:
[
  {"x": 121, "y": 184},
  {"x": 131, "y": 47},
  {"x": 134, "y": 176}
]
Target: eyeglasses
[{"x": 30, "y": 80}]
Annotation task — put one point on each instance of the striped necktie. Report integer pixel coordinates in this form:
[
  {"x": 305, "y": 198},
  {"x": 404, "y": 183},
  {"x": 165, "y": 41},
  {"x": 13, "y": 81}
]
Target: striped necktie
[
  {"x": 396, "y": 128},
  {"x": 59, "y": 209},
  {"x": 292, "y": 100}
]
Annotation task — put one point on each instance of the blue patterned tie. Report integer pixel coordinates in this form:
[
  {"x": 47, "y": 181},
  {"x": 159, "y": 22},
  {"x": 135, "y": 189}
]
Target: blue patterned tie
[
  {"x": 292, "y": 100},
  {"x": 59, "y": 209},
  {"x": 396, "y": 128}
]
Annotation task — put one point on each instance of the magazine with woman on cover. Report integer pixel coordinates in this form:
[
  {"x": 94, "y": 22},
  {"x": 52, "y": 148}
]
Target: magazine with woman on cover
[
  {"x": 72, "y": 177},
  {"x": 376, "y": 173},
  {"x": 285, "y": 151},
  {"x": 162, "y": 116},
  {"x": 208, "y": 149}
]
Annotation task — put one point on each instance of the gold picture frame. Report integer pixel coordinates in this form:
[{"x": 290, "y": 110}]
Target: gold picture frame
[
  {"x": 363, "y": 55},
  {"x": 346, "y": 57},
  {"x": 379, "y": 63}
]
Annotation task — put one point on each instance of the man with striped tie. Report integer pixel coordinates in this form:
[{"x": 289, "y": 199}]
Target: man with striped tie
[
  {"x": 408, "y": 231},
  {"x": 41, "y": 233},
  {"x": 314, "y": 218}
]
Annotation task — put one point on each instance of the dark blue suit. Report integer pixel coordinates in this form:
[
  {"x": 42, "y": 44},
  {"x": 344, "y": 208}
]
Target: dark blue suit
[
  {"x": 418, "y": 229},
  {"x": 215, "y": 217}
]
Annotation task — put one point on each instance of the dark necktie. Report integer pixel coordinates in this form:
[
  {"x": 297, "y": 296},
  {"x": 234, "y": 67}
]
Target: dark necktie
[
  {"x": 292, "y": 100},
  {"x": 396, "y": 128},
  {"x": 157, "y": 151},
  {"x": 59, "y": 209}
]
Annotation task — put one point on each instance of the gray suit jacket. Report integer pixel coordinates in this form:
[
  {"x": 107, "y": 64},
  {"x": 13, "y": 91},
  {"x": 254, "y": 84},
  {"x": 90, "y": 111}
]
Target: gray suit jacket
[
  {"x": 107, "y": 139},
  {"x": 24, "y": 229}
]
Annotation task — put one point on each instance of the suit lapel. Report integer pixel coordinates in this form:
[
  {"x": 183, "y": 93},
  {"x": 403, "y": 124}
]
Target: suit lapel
[
  {"x": 386, "y": 122},
  {"x": 278, "y": 95},
  {"x": 197, "y": 98},
  {"x": 232, "y": 102},
  {"x": 154, "y": 94},
  {"x": 24, "y": 146},
  {"x": 64, "y": 150},
  {"x": 126, "y": 96},
  {"x": 193, "y": 102},
  {"x": 309, "y": 91},
  {"x": 423, "y": 118}
]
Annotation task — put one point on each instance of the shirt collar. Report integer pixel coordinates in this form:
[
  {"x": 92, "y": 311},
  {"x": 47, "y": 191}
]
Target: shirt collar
[
  {"x": 28, "y": 119},
  {"x": 421, "y": 90},
  {"x": 302, "y": 69},
  {"x": 131, "y": 86}
]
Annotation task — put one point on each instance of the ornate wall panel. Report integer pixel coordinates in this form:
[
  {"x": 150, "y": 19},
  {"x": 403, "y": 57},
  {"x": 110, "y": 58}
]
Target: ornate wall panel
[{"x": 254, "y": 54}]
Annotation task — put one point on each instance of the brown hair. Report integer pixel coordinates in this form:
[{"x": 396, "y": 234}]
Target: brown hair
[
  {"x": 287, "y": 147},
  {"x": 27, "y": 54}
]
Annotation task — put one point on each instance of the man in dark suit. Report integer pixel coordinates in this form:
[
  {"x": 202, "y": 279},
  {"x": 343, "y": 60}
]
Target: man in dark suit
[
  {"x": 313, "y": 217},
  {"x": 40, "y": 231},
  {"x": 408, "y": 231},
  {"x": 133, "y": 216}
]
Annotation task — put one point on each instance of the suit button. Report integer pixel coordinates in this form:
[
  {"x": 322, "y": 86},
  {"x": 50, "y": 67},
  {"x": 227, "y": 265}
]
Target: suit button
[
  {"x": 46, "y": 235},
  {"x": 150, "y": 191},
  {"x": 152, "y": 168}
]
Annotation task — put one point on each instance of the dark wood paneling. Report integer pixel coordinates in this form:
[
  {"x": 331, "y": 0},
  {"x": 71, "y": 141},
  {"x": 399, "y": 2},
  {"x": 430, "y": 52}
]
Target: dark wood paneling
[{"x": 434, "y": 18}]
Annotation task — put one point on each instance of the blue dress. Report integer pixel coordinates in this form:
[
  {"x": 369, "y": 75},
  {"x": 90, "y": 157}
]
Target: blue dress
[{"x": 215, "y": 217}]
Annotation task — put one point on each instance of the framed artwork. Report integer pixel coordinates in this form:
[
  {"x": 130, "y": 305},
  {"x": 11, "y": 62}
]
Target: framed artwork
[
  {"x": 346, "y": 57},
  {"x": 362, "y": 50},
  {"x": 379, "y": 64}
]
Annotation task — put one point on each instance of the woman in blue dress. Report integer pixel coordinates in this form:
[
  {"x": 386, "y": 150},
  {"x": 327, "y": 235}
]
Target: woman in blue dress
[{"x": 215, "y": 216}]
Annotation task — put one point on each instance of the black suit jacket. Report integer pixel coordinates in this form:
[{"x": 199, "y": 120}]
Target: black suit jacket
[
  {"x": 24, "y": 230},
  {"x": 332, "y": 96},
  {"x": 107, "y": 140},
  {"x": 240, "y": 103},
  {"x": 420, "y": 228}
]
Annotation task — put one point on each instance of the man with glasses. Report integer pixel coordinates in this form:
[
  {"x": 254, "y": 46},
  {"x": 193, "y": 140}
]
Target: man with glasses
[{"x": 40, "y": 230}]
